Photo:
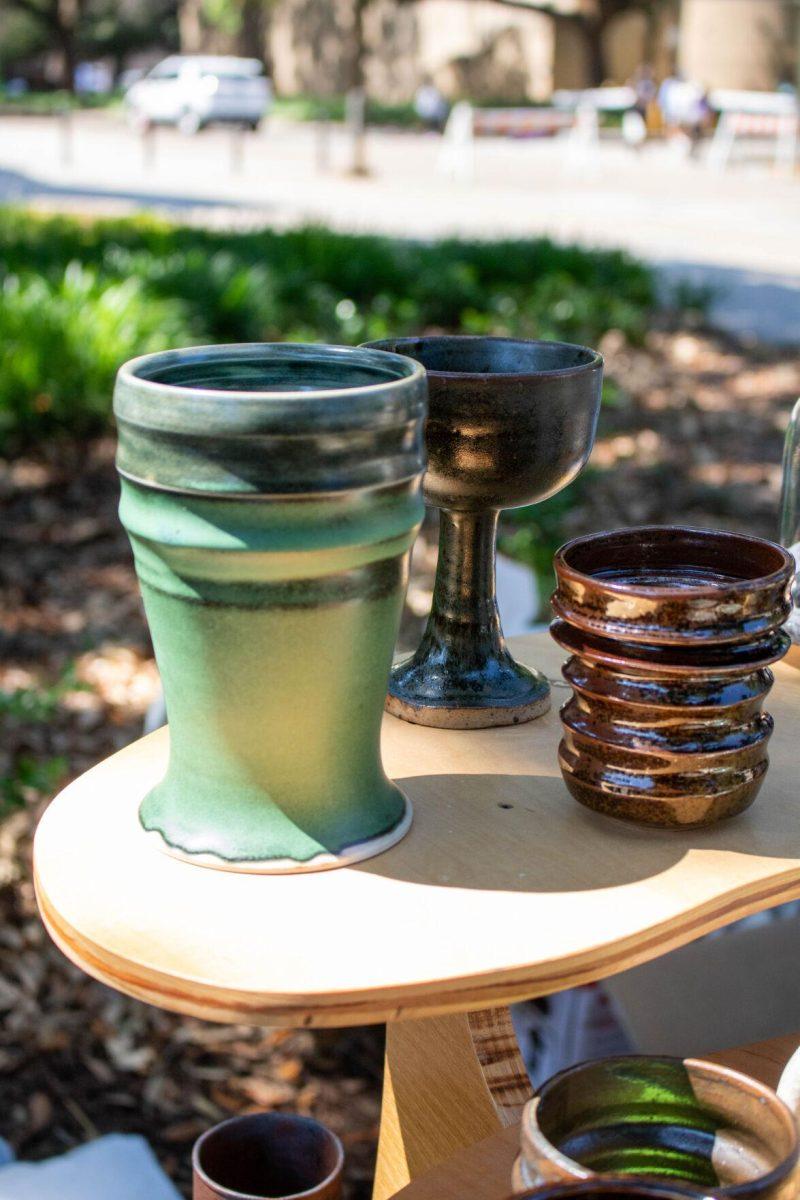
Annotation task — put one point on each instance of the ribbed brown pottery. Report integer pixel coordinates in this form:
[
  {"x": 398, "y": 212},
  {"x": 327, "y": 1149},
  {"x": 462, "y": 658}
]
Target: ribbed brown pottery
[
  {"x": 267, "y": 1156},
  {"x": 672, "y": 631},
  {"x": 679, "y": 1121}
]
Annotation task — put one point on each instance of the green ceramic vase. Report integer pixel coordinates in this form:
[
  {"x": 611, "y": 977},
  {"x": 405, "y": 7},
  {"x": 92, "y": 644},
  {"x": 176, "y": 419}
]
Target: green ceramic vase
[{"x": 272, "y": 494}]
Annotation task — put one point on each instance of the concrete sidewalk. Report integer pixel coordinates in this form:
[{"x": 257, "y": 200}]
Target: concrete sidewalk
[{"x": 736, "y": 231}]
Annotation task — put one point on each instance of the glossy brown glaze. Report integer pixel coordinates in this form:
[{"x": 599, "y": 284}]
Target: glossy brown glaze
[
  {"x": 267, "y": 1156},
  {"x": 679, "y": 1121},
  {"x": 672, "y": 632},
  {"x": 510, "y": 422}
]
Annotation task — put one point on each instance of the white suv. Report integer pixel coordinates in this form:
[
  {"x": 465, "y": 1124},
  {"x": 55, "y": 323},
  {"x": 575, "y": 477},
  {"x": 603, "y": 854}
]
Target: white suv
[{"x": 191, "y": 91}]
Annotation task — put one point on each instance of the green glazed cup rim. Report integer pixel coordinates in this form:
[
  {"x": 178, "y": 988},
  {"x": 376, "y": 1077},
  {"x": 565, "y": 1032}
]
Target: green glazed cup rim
[
  {"x": 270, "y": 418},
  {"x": 155, "y": 378}
]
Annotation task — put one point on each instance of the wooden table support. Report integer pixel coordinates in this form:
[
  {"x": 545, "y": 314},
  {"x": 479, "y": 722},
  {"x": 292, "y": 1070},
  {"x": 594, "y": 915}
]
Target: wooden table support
[{"x": 448, "y": 1082}]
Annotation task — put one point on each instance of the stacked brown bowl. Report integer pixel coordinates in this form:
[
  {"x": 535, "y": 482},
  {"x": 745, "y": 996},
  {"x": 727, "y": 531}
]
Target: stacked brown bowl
[{"x": 671, "y": 632}]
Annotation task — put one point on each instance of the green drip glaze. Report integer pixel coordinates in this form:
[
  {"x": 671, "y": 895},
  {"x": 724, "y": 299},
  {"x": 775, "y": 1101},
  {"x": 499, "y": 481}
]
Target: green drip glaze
[{"x": 274, "y": 691}]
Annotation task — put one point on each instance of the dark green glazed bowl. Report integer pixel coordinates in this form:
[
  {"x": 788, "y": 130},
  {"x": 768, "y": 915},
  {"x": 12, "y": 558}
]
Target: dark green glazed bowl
[
  {"x": 614, "y": 1189},
  {"x": 272, "y": 494},
  {"x": 675, "y": 1120}
]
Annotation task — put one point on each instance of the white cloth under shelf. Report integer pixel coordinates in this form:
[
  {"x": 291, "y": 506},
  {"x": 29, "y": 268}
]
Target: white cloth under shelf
[{"x": 117, "y": 1167}]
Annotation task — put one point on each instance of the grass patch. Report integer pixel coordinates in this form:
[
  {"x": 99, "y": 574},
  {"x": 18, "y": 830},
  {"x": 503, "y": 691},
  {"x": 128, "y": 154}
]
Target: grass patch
[
  {"x": 50, "y": 104},
  {"x": 78, "y": 298},
  {"x": 333, "y": 108}
]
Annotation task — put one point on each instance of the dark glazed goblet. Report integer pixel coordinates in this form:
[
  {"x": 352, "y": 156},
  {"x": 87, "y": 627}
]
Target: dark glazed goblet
[{"x": 510, "y": 423}]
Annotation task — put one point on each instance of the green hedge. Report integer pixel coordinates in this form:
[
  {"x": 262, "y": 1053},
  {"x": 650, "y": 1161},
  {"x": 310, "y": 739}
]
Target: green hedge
[{"x": 78, "y": 298}]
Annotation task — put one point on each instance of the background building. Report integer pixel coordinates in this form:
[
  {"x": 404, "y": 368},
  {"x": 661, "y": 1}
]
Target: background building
[{"x": 492, "y": 50}]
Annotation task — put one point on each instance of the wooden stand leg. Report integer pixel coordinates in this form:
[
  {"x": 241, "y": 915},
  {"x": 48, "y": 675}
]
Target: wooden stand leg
[{"x": 436, "y": 1099}]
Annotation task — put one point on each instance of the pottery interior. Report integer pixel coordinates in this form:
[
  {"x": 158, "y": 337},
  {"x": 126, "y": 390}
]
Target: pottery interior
[
  {"x": 510, "y": 423},
  {"x": 660, "y": 1118},
  {"x": 671, "y": 632},
  {"x": 272, "y": 495},
  {"x": 263, "y": 1155}
]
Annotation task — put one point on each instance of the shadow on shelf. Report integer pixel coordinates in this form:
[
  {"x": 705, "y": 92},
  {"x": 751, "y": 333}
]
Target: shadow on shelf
[{"x": 543, "y": 841}]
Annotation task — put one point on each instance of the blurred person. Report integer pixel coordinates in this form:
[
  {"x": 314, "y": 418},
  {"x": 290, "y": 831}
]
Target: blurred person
[
  {"x": 430, "y": 106},
  {"x": 685, "y": 110},
  {"x": 645, "y": 87},
  {"x": 634, "y": 128},
  {"x": 93, "y": 78}
]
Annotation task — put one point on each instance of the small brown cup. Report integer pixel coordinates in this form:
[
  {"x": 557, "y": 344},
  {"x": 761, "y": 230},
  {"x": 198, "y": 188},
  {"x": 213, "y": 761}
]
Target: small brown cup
[
  {"x": 671, "y": 631},
  {"x": 267, "y": 1156},
  {"x": 679, "y": 1121}
]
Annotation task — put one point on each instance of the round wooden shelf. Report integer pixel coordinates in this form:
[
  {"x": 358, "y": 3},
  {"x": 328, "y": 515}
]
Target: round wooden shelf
[{"x": 504, "y": 888}]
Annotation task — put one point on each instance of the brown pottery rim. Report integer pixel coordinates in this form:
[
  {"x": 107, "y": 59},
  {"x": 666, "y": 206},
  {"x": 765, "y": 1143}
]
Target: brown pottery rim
[
  {"x": 565, "y": 570},
  {"x": 223, "y": 1191},
  {"x": 402, "y": 347}
]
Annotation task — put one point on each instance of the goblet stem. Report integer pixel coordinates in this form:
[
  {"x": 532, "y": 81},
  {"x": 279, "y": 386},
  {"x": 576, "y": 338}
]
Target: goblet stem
[
  {"x": 464, "y": 617},
  {"x": 462, "y": 676}
]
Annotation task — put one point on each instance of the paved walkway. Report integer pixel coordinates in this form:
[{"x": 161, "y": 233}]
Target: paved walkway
[{"x": 737, "y": 231}]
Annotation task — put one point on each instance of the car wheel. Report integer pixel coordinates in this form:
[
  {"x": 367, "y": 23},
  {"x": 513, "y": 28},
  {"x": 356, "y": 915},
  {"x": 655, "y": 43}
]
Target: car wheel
[{"x": 189, "y": 122}]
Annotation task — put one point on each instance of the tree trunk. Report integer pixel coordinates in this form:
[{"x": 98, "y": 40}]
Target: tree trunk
[
  {"x": 593, "y": 31},
  {"x": 66, "y": 45},
  {"x": 356, "y": 96},
  {"x": 66, "y": 15},
  {"x": 253, "y": 31},
  {"x": 359, "y": 53},
  {"x": 190, "y": 26}
]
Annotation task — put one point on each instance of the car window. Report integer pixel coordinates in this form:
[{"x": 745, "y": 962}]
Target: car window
[
  {"x": 231, "y": 74},
  {"x": 163, "y": 73}
]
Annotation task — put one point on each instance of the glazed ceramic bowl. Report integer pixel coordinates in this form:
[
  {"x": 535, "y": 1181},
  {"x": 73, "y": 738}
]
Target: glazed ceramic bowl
[
  {"x": 271, "y": 494},
  {"x": 667, "y": 585},
  {"x": 672, "y": 632},
  {"x": 679, "y": 1121},
  {"x": 268, "y": 1156},
  {"x": 613, "y": 1189}
]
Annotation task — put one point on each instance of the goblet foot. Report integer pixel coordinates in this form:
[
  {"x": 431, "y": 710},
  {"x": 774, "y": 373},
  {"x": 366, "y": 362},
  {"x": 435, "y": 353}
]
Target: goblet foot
[{"x": 447, "y": 695}]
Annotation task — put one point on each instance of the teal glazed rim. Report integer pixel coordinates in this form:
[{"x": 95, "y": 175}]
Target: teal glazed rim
[{"x": 270, "y": 418}]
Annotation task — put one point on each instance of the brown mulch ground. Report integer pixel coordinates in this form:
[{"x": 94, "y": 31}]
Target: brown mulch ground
[{"x": 695, "y": 436}]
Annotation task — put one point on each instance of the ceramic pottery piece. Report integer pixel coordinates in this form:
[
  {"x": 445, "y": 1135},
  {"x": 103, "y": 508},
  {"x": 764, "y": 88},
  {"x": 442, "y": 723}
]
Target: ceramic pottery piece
[
  {"x": 267, "y": 1156},
  {"x": 511, "y": 423},
  {"x": 790, "y": 516},
  {"x": 671, "y": 632},
  {"x": 671, "y": 1119},
  {"x": 613, "y": 1189},
  {"x": 271, "y": 494}
]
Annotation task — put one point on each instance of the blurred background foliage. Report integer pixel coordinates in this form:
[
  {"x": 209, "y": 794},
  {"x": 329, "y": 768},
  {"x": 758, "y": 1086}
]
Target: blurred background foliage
[{"x": 80, "y": 297}]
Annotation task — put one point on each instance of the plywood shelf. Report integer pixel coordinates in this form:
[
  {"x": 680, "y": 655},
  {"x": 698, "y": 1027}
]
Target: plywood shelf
[{"x": 505, "y": 888}]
